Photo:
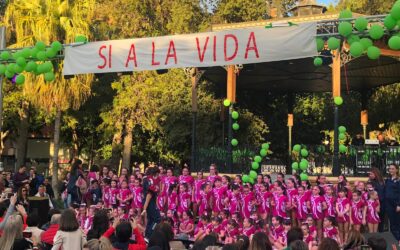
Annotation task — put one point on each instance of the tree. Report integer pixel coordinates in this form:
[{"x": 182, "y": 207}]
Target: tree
[
  {"x": 31, "y": 21},
  {"x": 368, "y": 7}
]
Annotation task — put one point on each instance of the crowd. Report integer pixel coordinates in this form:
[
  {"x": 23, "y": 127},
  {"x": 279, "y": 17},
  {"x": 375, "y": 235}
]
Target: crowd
[{"x": 156, "y": 209}]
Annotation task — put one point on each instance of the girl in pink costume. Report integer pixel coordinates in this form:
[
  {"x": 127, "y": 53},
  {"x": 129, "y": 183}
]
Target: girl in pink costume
[
  {"x": 263, "y": 198},
  {"x": 173, "y": 198},
  {"x": 231, "y": 232},
  {"x": 330, "y": 201},
  {"x": 357, "y": 211},
  {"x": 234, "y": 199},
  {"x": 169, "y": 179},
  {"x": 257, "y": 186},
  {"x": 318, "y": 204},
  {"x": 373, "y": 208},
  {"x": 301, "y": 204},
  {"x": 113, "y": 192},
  {"x": 219, "y": 194},
  {"x": 276, "y": 228},
  {"x": 248, "y": 201},
  {"x": 330, "y": 231},
  {"x": 106, "y": 193},
  {"x": 184, "y": 199},
  {"x": 124, "y": 195},
  {"x": 291, "y": 193},
  {"x": 205, "y": 202},
  {"x": 196, "y": 196},
  {"x": 307, "y": 237},
  {"x": 279, "y": 203},
  {"x": 248, "y": 227},
  {"x": 137, "y": 196},
  {"x": 342, "y": 210},
  {"x": 187, "y": 179},
  {"x": 186, "y": 225}
]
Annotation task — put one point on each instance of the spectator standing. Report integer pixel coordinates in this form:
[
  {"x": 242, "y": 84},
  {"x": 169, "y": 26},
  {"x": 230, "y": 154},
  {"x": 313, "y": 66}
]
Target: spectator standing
[
  {"x": 392, "y": 200},
  {"x": 47, "y": 236},
  {"x": 49, "y": 188},
  {"x": 33, "y": 222},
  {"x": 42, "y": 193},
  {"x": 375, "y": 177},
  {"x": 12, "y": 237},
  {"x": 69, "y": 235},
  {"x": 150, "y": 191},
  {"x": 72, "y": 188},
  {"x": 20, "y": 178}
]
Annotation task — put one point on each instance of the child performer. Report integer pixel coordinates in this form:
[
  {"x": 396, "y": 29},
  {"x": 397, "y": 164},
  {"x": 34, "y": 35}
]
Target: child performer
[
  {"x": 330, "y": 201},
  {"x": 264, "y": 197},
  {"x": 373, "y": 208},
  {"x": 282, "y": 240},
  {"x": 219, "y": 194},
  {"x": 173, "y": 197},
  {"x": 330, "y": 231},
  {"x": 234, "y": 199},
  {"x": 248, "y": 201},
  {"x": 205, "y": 202},
  {"x": 307, "y": 237},
  {"x": 106, "y": 193},
  {"x": 279, "y": 203},
  {"x": 137, "y": 196},
  {"x": 318, "y": 204},
  {"x": 113, "y": 192},
  {"x": 301, "y": 204},
  {"x": 248, "y": 227},
  {"x": 357, "y": 212},
  {"x": 276, "y": 228},
  {"x": 184, "y": 199},
  {"x": 124, "y": 195},
  {"x": 291, "y": 191},
  {"x": 186, "y": 227},
  {"x": 196, "y": 197},
  {"x": 342, "y": 210},
  {"x": 231, "y": 232},
  {"x": 186, "y": 178}
]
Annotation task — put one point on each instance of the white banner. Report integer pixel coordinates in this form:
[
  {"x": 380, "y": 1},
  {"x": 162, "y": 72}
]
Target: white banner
[{"x": 240, "y": 46}]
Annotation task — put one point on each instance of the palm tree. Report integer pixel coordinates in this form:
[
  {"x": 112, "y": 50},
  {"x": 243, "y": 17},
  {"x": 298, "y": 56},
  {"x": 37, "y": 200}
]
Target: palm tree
[{"x": 51, "y": 20}]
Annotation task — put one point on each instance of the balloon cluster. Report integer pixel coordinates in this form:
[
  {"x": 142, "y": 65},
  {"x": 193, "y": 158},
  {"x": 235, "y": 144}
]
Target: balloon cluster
[
  {"x": 255, "y": 165},
  {"x": 14, "y": 64},
  {"x": 342, "y": 138},
  {"x": 301, "y": 154},
  {"x": 360, "y": 37},
  {"x": 235, "y": 125}
]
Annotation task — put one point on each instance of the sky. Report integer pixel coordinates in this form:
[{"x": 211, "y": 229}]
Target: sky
[{"x": 325, "y": 2}]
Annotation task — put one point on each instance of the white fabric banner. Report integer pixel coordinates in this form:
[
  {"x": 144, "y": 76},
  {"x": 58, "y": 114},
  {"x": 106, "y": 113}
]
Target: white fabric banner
[{"x": 239, "y": 46}]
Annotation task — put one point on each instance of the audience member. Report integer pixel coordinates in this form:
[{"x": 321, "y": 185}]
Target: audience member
[
  {"x": 260, "y": 241},
  {"x": 33, "y": 222},
  {"x": 47, "y": 236},
  {"x": 377, "y": 243},
  {"x": 328, "y": 244}
]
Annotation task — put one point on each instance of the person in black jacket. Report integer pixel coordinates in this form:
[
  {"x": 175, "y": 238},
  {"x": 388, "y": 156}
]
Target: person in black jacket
[
  {"x": 392, "y": 200},
  {"x": 375, "y": 177}
]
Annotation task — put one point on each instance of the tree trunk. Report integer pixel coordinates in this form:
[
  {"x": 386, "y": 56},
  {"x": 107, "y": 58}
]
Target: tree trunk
[
  {"x": 54, "y": 162},
  {"x": 116, "y": 149},
  {"x": 75, "y": 145},
  {"x": 126, "y": 154},
  {"x": 22, "y": 134}
]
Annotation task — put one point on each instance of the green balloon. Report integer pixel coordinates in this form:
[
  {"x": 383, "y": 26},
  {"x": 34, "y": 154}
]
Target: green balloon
[
  {"x": 257, "y": 158},
  {"x": 30, "y": 66},
  {"x": 394, "y": 43},
  {"x": 34, "y": 52},
  {"x": 345, "y": 14},
  {"x": 338, "y": 100},
  {"x": 265, "y": 146},
  {"x": 342, "y": 129},
  {"x": 235, "y": 126},
  {"x": 318, "y": 61},
  {"x": 345, "y": 29},
  {"x": 49, "y": 76},
  {"x": 356, "y": 49},
  {"x": 366, "y": 42},
  {"x": 373, "y": 52},
  {"x": 342, "y": 136},
  {"x": 342, "y": 148},
  {"x": 48, "y": 66},
  {"x": 50, "y": 53},
  {"x": 361, "y": 23},
  {"x": 303, "y": 177},
  {"x": 295, "y": 166},
  {"x": 11, "y": 67},
  {"x": 376, "y": 31},
  {"x": 41, "y": 68},
  {"x": 20, "y": 79},
  {"x": 333, "y": 43},
  {"x": 255, "y": 165},
  {"x": 41, "y": 55},
  {"x": 389, "y": 22},
  {"x": 296, "y": 148},
  {"x": 395, "y": 11},
  {"x": 17, "y": 54},
  {"x": 245, "y": 178},
  {"x": 304, "y": 152},
  {"x": 253, "y": 174},
  {"x": 80, "y": 39},
  {"x": 251, "y": 180},
  {"x": 353, "y": 38},
  {"x": 3, "y": 69},
  {"x": 40, "y": 45},
  {"x": 56, "y": 45},
  {"x": 21, "y": 61},
  {"x": 263, "y": 152},
  {"x": 26, "y": 52},
  {"x": 234, "y": 142},
  {"x": 320, "y": 44},
  {"x": 227, "y": 103},
  {"x": 9, "y": 74},
  {"x": 303, "y": 164},
  {"x": 235, "y": 115},
  {"x": 18, "y": 69},
  {"x": 5, "y": 55}
]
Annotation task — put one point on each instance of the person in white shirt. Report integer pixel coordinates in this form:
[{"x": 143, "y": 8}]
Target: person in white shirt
[
  {"x": 42, "y": 193},
  {"x": 33, "y": 222}
]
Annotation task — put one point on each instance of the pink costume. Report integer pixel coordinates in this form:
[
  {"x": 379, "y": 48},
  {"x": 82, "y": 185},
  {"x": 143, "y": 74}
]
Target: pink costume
[
  {"x": 204, "y": 202},
  {"x": 249, "y": 231},
  {"x": 316, "y": 206},
  {"x": 197, "y": 188},
  {"x": 264, "y": 199},
  {"x": 211, "y": 179},
  {"x": 357, "y": 211},
  {"x": 247, "y": 206},
  {"x": 301, "y": 204},
  {"x": 184, "y": 202},
  {"x": 372, "y": 213},
  {"x": 331, "y": 232},
  {"x": 172, "y": 201},
  {"x": 106, "y": 196},
  {"x": 188, "y": 179},
  {"x": 276, "y": 231},
  {"x": 168, "y": 181},
  {"x": 219, "y": 196},
  {"x": 330, "y": 203},
  {"x": 92, "y": 176},
  {"x": 341, "y": 204},
  {"x": 291, "y": 193},
  {"x": 137, "y": 198},
  {"x": 280, "y": 206},
  {"x": 124, "y": 194},
  {"x": 113, "y": 192},
  {"x": 234, "y": 202}
]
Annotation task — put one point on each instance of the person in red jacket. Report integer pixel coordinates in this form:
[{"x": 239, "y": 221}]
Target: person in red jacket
[
  {"x": 123, "y": 232},
  {"x": 48, "y": 235}
]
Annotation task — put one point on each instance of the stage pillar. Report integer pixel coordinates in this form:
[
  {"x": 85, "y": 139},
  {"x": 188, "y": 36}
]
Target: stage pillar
[
  {"x": 231, "y": 96},
  {"x": 336, "y": 65},
  {"x": 364, "y": 112},
  {"x": 195, "y": 76}
]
